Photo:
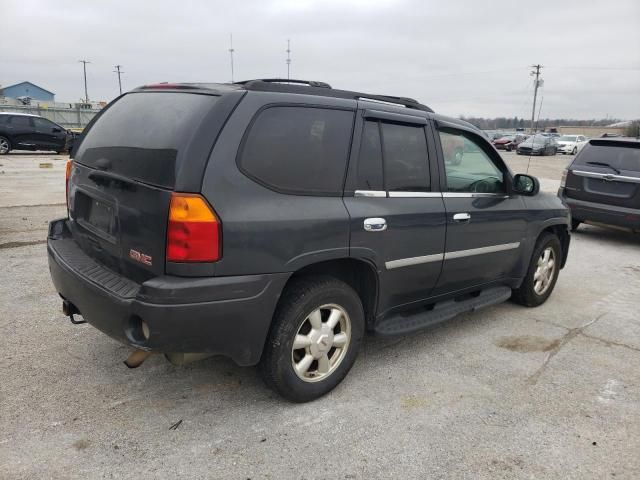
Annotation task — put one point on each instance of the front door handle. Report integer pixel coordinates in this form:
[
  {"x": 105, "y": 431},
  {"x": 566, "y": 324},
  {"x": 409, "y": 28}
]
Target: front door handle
[
  {"x": 461, "y": 217},
  {"x": 375, "y": 224}
]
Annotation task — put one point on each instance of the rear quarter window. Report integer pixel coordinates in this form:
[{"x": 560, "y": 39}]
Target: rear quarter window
[
  {"x": 298, "y": 150},
  {"x": 143, "y": 134}
]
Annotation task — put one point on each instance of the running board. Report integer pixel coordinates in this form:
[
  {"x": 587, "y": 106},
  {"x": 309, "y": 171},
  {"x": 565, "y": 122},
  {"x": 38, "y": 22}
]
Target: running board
[{"x": 441, "y": 311}]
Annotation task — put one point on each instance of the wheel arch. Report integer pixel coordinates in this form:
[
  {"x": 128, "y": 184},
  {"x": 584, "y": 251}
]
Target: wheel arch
[
  {"x": 560, "y": 230},
  {"x": 360, "y": 274}
]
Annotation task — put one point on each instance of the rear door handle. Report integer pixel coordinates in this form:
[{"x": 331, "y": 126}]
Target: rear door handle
[
  {"x": 375, "y": 224},
  {"x": 461, "y": 217}
]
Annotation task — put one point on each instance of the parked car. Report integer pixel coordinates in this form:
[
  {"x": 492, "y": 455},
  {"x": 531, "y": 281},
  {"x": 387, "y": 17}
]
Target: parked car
[
  {"x": 509, "y": 142},
  {"x": 21, "y": 131},
  {"x": 571, "y": 144},
  {"x": 538, "y": 144},
  {"x": 602, "y": 184},
  {"x": 276, "y": 223}
]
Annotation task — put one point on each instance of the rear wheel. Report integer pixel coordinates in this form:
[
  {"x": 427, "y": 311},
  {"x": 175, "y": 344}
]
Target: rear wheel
[
  {"x": 314, "y": 340},
  {"x": 542, "y": 273},
  {"x": 5, "y": 145}
]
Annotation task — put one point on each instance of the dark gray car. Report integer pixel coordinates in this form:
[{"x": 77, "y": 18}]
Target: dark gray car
[
  {"x": 276, "y": 223},
  {"x": 602, "y": 184}
]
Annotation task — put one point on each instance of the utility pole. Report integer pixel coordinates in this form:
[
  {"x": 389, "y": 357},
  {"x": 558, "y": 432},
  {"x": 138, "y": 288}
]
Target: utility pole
[
  {"x": 535, "y": 72},
  {"x": 118, "y": 71},
  {"x": 288, "y": 58},
  {"x": 231, "y": 50},
  {"x": 84, "y": 67}
]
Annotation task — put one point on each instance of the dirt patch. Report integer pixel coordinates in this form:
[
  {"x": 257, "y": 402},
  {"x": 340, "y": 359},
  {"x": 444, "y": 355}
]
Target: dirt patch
[
  {"x": 81, "y": 444},
  {"x": 528, "y": 343},
  {"x": 410, "y": 402},
  {"x": 20, "y": 244}
]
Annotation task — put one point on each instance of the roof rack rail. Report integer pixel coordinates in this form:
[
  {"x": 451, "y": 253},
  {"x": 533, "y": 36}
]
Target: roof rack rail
[
  {"x": 311, "y": 83},
  {"x": 310, "y": 87}
]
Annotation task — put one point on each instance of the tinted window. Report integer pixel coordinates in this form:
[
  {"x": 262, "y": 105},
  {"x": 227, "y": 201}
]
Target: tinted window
[
  {"x": 42, "y": 124},
  {"x": 3, "y": 119},
  {"x": 370, "y": 159},
  {"x": 468, "y": 167},
  {"x": 20, "y": 121},
  {"x": 142, "y": 135},
  {"x": 622, "y": 158},
  {"x": 405, "y": 158},
  {"x": 298, "y": 149}
]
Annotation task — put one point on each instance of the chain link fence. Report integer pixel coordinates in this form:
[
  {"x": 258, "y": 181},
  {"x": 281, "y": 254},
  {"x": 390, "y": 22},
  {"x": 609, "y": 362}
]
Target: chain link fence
[{"x": 76, "y": 116}]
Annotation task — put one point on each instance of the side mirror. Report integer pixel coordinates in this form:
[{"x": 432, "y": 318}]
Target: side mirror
[{"x": 526, "y": 185}]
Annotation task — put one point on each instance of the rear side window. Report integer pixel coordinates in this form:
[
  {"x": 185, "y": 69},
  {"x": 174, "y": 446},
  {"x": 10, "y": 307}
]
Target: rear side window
[
  {"x": 20, "y": 121},
  {"x": 619, "y": 157},
  {"x": 143, "y": 135},
  {"x": 405, "y": 158},
  {"x": 299, "y": 150},
  {"x": 393, "y": 157}
]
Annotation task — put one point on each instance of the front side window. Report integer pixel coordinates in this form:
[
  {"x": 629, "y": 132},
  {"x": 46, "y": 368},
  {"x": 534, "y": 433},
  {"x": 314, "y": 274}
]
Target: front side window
[
  {"x": 43, "y": 125},
  {"x": 468, "y": 167},
  {"x": 299, "y": 150}
]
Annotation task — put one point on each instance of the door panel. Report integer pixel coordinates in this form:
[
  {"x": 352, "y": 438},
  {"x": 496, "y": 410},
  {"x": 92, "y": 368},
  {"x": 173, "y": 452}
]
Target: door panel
[
  {"x": 408, "y": 253},
  {"x": 392, "y": 180},
  {"x": 486, "y": 237}
]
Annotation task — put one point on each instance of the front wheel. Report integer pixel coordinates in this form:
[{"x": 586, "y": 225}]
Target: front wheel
[
  {"x": 314, "y": 339},
  {"x": 542, "y": 273},
  {"x": 5, "y": 146},
  {"x": 574, "y": 151}
]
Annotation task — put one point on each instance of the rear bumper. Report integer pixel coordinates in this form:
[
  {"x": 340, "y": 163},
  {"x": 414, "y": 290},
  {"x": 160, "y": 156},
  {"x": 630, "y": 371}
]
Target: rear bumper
[
  {"x": 229, "y": 316},
  {"x": 583, "y": 211}
]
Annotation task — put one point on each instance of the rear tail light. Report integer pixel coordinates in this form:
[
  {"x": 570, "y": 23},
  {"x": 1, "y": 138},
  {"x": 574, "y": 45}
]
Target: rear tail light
[
  {"x": 193, "y": 233},
  {"x": 563, "y": 181},
  {"x": 69, "y": 168}
]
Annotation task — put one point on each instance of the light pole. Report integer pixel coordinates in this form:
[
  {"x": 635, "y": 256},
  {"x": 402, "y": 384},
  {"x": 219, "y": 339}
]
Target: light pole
[
  {"x": 119, "y": 72},
  {"x": 288, "y": 58},
  {"x": 231, "y": 50},
  {"x": 84, "y": 68}
]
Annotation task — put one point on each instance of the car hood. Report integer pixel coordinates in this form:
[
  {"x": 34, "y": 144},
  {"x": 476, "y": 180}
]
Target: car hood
[{"x": 565, "y": 143}]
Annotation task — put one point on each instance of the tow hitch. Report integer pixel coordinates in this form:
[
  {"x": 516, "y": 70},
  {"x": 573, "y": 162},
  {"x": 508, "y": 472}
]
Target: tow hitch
[{"x": 69, "y": 309}]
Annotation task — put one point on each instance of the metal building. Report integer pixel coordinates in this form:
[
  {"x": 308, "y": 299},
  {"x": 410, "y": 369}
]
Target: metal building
[{"x": 28, "y": 89}]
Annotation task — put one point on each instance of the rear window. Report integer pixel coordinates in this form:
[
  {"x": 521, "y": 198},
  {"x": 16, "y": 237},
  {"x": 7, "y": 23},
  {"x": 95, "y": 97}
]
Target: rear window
[
  {"x": 298, "y": 150},
  {"x": 143, "y": 135},
  {"x": 625, "y": 157}
]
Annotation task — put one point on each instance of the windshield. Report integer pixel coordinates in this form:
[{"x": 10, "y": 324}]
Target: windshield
[
  {"x": 536, "y": 139},
  {"x": 567, "y": 138}
]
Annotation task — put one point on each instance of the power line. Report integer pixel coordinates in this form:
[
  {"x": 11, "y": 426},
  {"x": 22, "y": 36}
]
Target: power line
[
  {"x": 119, "y": 72},
  {"x": 84, "y": 68}
]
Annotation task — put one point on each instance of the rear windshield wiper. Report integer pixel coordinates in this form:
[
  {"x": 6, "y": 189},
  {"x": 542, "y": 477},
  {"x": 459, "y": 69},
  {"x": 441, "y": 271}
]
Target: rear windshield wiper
[{"x": 603, "y": 164}]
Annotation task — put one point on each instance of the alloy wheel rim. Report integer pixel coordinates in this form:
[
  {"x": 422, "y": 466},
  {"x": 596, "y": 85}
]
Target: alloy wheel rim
[
  {"x": 545, "y": 270},
  {"x": 4, "y": 146},
  {"x": 321, "y": 343}
]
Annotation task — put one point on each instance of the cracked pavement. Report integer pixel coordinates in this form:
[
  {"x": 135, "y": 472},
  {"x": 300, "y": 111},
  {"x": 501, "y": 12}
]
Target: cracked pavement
[{"x": 505, "y": 392}]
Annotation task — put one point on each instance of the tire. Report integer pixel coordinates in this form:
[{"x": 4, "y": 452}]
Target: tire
[
  {"x": 5, "y": 145},
  {"x": 575, "y": 224},
  {"x": 530, "y": 293},
  {"x": 574, "y": 151},
  {"x": 295, "y": 319}
]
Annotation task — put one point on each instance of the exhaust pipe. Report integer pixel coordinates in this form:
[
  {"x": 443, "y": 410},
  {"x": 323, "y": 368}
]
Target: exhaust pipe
[{"x": 136, "y": 358}]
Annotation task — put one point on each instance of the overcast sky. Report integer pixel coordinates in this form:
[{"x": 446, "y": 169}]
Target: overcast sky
[{"x": 459, "y": 57}]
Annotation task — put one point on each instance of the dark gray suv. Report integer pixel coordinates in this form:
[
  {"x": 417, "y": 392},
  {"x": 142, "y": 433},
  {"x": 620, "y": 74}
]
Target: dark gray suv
[{"x": 275, "y": 223}]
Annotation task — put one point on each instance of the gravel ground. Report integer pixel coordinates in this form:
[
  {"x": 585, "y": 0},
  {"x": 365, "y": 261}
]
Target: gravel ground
[{"x": 506, "y": 392}]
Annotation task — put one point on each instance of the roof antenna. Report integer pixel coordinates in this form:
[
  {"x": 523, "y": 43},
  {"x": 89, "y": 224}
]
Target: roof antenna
[{"x": 288, "y": 58}]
